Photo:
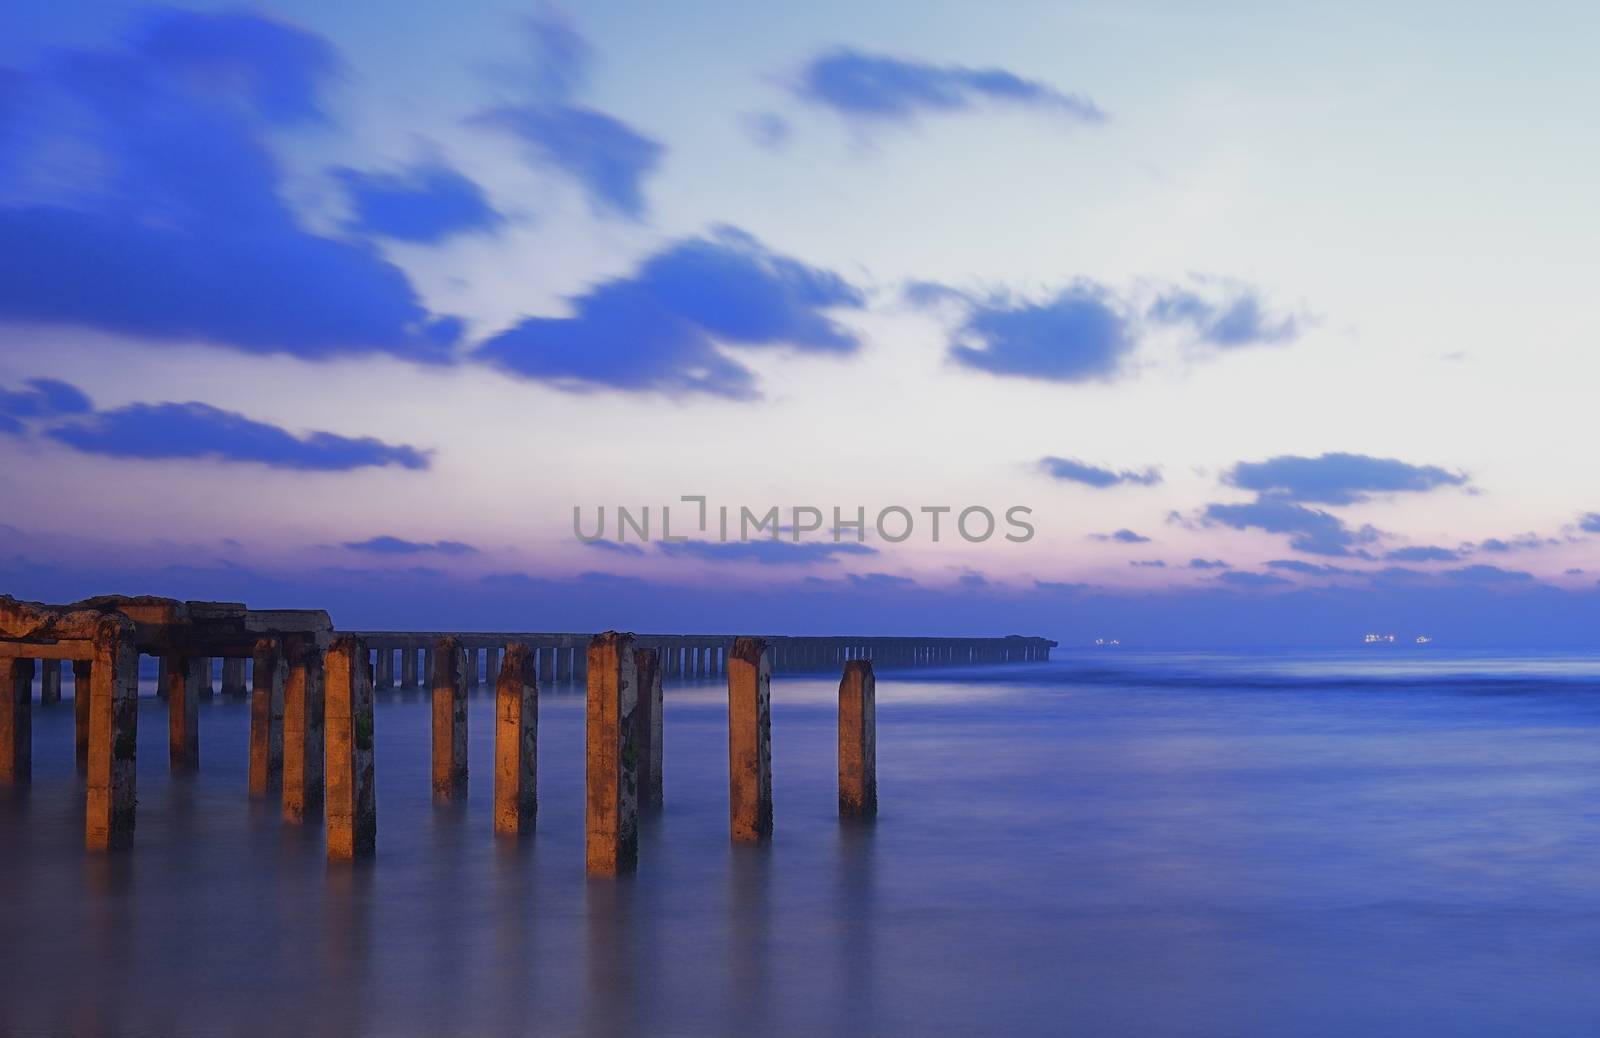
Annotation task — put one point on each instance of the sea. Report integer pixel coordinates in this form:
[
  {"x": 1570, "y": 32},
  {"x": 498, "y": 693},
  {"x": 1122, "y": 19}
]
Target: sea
[{"x": 1391, "y": 840}]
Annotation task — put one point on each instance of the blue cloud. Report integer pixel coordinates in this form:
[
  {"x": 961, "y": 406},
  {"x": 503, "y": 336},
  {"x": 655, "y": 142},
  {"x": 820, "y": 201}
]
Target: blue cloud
[
  {"x": 1589, "y": 522},
  {"x": 1526, "y": 542},
  {"x": 1239, "y": 318},
  {"x": 427, "y": 203},
  {"x": 606, "y": 156},
  {"x": 1488, "y": 575},
  {"x": 1122, "y": 536},
  {"x": 1148, "y": 564},
  {"x": 768, "y": 129},
  {"x": 177, "y": 229},
  {"x": 765, "y": 552},
  {"x": 384, "y": 544},
  {"x": 1078, "y": 336},
  {"x": 44, "y": 397},
  {"x": 1074, "y": 471},
  {"x": 1208, "y": 564},
  {"x": 660, "y": 327},
  {"x": 1422, "y": 553},
  {"x": 880, "y": 581},
  {"x": 1311, "y": 530},
  {"x": 614, "y": 547},
  {"x": 1246, "y": 579},
  {"x": 875, "y": 86},
  {"x": 1312, "y": 569},
  {"x": 196, "y": 430},
  {"x": 1337, "y": 478}
]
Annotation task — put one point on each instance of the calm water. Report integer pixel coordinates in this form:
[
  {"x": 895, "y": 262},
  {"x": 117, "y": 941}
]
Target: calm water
[{"x": 1393, "y": 842}]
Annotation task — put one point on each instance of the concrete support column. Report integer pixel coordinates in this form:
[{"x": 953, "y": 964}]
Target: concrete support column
[
  {"x": 449, "y": 721},
  {"x": 427, "y": 667},
  {"x": 49, "y": 682},
  {"x": 82, "y": 679},
  {"x": 547, "y": 668},
  {"x": 183, "y": 680},
  {"x": 408, "y": 667},
  {"x": 564, "y": 662},
  {"x": 16, "y": 721},
  {"x": 491, "y": 666},
  {"x": 352, "y": 807},
  {"x": 516, "y": 740},
  {"x": 269, "y": 674},
  {"x": 302, "y": 732},
  {"x": 470, "y": 664},
  {"x": 233, "y": 677},
  {"x": 112, "y": 794},
  {"x": 385, "y": 668},
  {"x": 858, "y": 741},
  {"x": 161, "y": 677},
  {"x": 647, "y": 715},
  {"x": 750, "y": 741},
  {"x": 612, "y": 758}
]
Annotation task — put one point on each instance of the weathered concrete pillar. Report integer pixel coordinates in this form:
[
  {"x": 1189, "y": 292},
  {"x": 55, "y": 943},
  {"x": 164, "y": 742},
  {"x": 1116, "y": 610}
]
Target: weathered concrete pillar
[
  {"x": 647, "y": 715},
  {"x": 386, "y": 668},
  {"x": 233, "y": 677},
  {"x": 408, "y": 667},
  {"x": 206, "y": 677},
  {"x": 49, "y": 682},
  {"x": 112, "y": 794},
  {"x": 183, "y": 679},
  {"x": 858, "y": 741},
  {"x": 470, "y": 666},
  {"x": 564, "y": 662},
  {"x": 516, "y": 741},
  {"x": 696, "y": 658},
  {"x": 269, "y": 673},
  {"x": 82, "y": 679},
  {"x": 750, "y": 741},
  {"x": 302, "y": 732},
  {"x": 161, "y": 677},
  {"x": 449, "y": 721},
  {"x": 352, "y": 809},
  {"x": 427, "y": 667},
  {"x": 547, "y": 667},
  {"x": 491, "y": 665},
  {"x": 16, "y": 721},
  {"x": 612, "y": 778}
]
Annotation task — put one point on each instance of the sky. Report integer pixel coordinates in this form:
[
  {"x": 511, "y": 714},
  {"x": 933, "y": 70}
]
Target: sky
[{"x": 1268, "y": 322}]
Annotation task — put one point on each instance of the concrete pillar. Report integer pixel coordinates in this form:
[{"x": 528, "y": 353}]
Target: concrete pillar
[
  {"x": 352, "y": 809},
  {"x": 696, "y": 661},
  {"x": 449, "y": 721},
  {"x": 161, "y": 677},
  {"x": 233, "y": 677},
  {"x": 427, "y": 667},
  {"x": 547, "y": 665},
  {"x": 470, "y": 665},
  {"x": 183, "y": 680},
  {"x": 516, "y": 741},
  {"x": 49, "y": 682},
  {"x": 269, "y": 674},
  {"x": 302, "y": 732},
  {"x": 408, "y": 667},
  {"x": 858, "y": 741},
  {"x": 82, "y": 679},
  {"x": 386, "y": 668},
  {"x": 112, "y": 794},
  {"x": 750, "y": 741},
  {"x": 612, "y": 779},
  {"x": 564, "y": 663},
  {"x": 647, "y": 715},
  {"x": 16, "y": 721},
  {"x": 491, "y": 666}
]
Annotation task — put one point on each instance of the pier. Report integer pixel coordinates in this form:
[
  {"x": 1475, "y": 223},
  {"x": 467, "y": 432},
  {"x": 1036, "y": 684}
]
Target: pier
[{"x": 311, "y": 692}]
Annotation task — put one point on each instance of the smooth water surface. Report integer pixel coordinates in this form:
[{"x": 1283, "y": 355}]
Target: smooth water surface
[{"x": 1395, "y": 841}]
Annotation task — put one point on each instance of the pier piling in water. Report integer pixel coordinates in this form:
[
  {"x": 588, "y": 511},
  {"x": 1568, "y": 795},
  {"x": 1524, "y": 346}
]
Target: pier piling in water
[
  {"x": 647, "y": 716},
  {"x": 858, "y": 741},
  {"x": 183, "y": 678},
  {"x": 750, "y": 741},
  {"x": 233, "y": 677},
  {"x": 351, "y": 808},
  {"x": 16, "y": 721},
  {"x": 408, "y": 667},
  {"x": 111, "y": 797},
  {"x": 302, "y": 732},
  {"x": 449, "y": 720},
  {"x": 82, "y": 678},
  {"x": 268, "y": 677},
  {"x": 612, "y": 760},
  {"x": 516, "y": 740},
  {"x": 49, "y": 682}
]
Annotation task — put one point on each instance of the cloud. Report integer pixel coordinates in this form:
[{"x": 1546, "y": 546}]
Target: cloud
[
  {"x": 1236, "y": 317},
  {"x": 1337, "y": 478},
  {"x": 141, "y": 199},
  {"x": 614, "y": 547},
  {"x": 196, "y": 430},
  {"x": 1245, "y": 579},
  {"x": 1208, "y": 564},
  {"x": 1589, "y": 522},
  {"x": 876, "y": 87},
  {"x": 1488, "y": 575},
  {"x": 608, "y": 158},
  {"x": 1149, "y": 563},
  {"x": 1526, "y": 542},
  {"x": 1422, "y": 553},
  {"x": 879, "y": 580},
  {"x": 975, "y": 581},
  {"x": 426, "y": 203},
  {"x": 1311, "y": 530},
  {"x": 1122, "y": 536},
  {"x": 1074, "y": 471},
  {"x": 660, "y": 327},
  {"x": 768, "y": 129},
  {"x": 1312, "y": 569},
  {"x": 44, "y": 398},
  {"x": 383, "y": 544},
  {"x": 1078, "y": 336},
  {"x": 764, "y": 552}
]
